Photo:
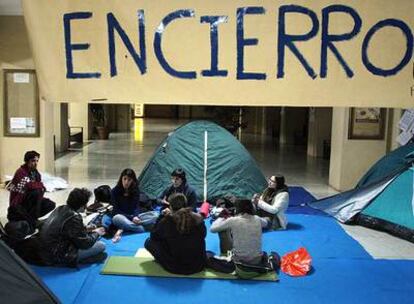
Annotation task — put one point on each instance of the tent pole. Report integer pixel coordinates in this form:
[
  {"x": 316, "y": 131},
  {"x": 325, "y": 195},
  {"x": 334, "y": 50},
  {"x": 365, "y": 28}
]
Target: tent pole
[
  {"x": 239, "y": 129},
  {"x": 412, "y": 198},
  {"x": 205, "y": 165}
]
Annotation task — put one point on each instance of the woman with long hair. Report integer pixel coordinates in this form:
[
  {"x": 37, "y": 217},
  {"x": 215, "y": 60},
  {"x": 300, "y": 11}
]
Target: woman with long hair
[
  {"x": 177, "y": 240},
  {"x": 273, "y": 202},
  {"x": 127, "y": 213}
]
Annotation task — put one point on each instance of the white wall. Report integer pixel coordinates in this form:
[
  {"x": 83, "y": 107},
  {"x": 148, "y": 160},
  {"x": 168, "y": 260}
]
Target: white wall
[
  {"x": 79, "y": 117},
  {"x": 350, "y": 158}
]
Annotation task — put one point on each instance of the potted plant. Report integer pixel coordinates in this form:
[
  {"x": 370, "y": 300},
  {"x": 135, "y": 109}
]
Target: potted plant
[{"x": 99, "y": 121}]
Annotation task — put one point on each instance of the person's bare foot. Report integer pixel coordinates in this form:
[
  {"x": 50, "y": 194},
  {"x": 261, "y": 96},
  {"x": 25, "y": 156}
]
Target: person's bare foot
[{"x": 117, "y": 236}]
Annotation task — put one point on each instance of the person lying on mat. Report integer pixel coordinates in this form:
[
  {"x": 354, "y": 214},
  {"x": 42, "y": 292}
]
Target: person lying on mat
[
  {"x": 179, "y": 185},
  {"x": 273, "y": 202},
  {"x": 177, "y": 239},
  {"x": 126, "y": 214},
  {"x": 242, "y": 236},
  {"x": 65, "y": 240}
]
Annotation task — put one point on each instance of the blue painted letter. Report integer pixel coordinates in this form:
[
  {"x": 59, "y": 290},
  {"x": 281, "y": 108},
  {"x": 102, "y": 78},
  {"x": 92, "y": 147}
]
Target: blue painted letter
[
  {"x": 214, "y": 22},
  {"x": 69, "y": 47},
  {"x": 242, "y": 42},
  {"x": 287, "y": 40},
  {"x": 408, "y": 53},
  {"x": 113, "y": 25},
  {"x": 158, "y": 38},
  {"x": 328, "y": 39}
]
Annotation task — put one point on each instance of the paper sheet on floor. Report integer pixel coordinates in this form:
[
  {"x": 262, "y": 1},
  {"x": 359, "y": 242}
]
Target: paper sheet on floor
[{"x": 51, "y": 183}]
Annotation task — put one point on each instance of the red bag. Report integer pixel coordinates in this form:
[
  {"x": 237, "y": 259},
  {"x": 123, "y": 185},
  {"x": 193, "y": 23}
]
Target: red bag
[{"x": 296, "y": 263}]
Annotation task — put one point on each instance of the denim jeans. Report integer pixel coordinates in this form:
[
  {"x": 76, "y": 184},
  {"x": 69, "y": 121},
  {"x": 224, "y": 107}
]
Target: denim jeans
[
  {"x": 97, "y": 248},
  {"x": 122, "y": 222}
]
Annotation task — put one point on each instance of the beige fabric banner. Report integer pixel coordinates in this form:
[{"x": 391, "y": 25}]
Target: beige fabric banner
[{"x": 296, "y": 53}]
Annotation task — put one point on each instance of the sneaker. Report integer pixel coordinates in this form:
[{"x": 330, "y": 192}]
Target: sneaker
[
  {"x": 274, "y": 260},
  {"x": 95, "y": 259}
]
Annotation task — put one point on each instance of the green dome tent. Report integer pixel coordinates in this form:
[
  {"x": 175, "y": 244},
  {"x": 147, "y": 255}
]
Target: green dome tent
[
  {"x": 383, "y": 199},
  {"x": 210, "y": 156},
  {"x": 394, "y": 204}
]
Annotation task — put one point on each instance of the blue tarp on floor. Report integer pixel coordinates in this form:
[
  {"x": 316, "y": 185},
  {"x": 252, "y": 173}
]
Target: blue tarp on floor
[{"x": 343, "y": 272}]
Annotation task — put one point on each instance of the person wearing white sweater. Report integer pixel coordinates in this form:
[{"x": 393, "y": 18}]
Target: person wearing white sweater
[{"x": 273, "y": 203}]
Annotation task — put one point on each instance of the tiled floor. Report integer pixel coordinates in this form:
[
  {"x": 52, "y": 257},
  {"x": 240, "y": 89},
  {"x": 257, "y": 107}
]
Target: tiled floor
[{"x": 101, "y": 162}]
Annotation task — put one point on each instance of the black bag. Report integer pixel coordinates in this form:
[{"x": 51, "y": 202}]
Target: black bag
[
  {"x": 30, "y": 250},
  {"x": 102, "y": 194},
  {"x": 18, "y": 230}
]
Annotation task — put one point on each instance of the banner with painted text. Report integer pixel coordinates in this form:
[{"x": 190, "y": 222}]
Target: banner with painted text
[{"x": 232, "y": 52}]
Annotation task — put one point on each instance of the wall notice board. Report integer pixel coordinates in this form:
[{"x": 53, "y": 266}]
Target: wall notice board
[{"x": 21, "y": 103}]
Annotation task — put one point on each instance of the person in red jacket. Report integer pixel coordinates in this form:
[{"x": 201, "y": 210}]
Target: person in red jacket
[{"x": 26, "y": 201}]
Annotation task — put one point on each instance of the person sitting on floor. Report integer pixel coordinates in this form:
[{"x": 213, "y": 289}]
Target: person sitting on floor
[
  {"x": 242, "y": 235},
  {"x": 27, "y": 203},
  {"x": 177, "y": 240},
  {"x": 179, "y": 185},
  {"x": 64, "y": 238},
  {"x": 273, "y": 202},
  {"x": 126, "y": 214}
]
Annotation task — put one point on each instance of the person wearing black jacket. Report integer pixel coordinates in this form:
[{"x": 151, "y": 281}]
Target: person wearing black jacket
[
  {"x": 127, "y": 213},
  {"x": 177, "y": 241},
  {"x": 179, "y": 184},
  {"x": 65, "y": 240}
]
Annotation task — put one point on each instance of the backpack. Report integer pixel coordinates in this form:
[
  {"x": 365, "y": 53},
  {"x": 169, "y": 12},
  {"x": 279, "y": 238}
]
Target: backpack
[
  {"x": 28, "y": 248},
  {"x": 102, "y": 195}
]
